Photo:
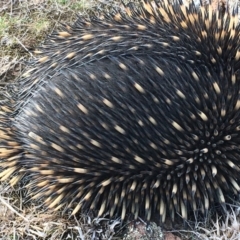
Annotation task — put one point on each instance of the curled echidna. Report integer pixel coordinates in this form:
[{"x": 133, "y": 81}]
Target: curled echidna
[{"x": 137, "y": 113}]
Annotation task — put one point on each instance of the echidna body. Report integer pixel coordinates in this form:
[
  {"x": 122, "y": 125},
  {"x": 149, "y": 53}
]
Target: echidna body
[{"x": 134, "y": 113}]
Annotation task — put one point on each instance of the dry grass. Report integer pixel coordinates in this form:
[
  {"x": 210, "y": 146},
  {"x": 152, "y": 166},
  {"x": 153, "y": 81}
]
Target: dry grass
[
  {"x": 24, "y": 24},
  {"x": 20, "y": 221},
  {"x": 227, "y": 229}
]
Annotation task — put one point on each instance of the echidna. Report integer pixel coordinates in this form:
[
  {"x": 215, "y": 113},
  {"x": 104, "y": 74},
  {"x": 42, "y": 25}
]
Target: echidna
[{"x": 136, "y": 112}]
